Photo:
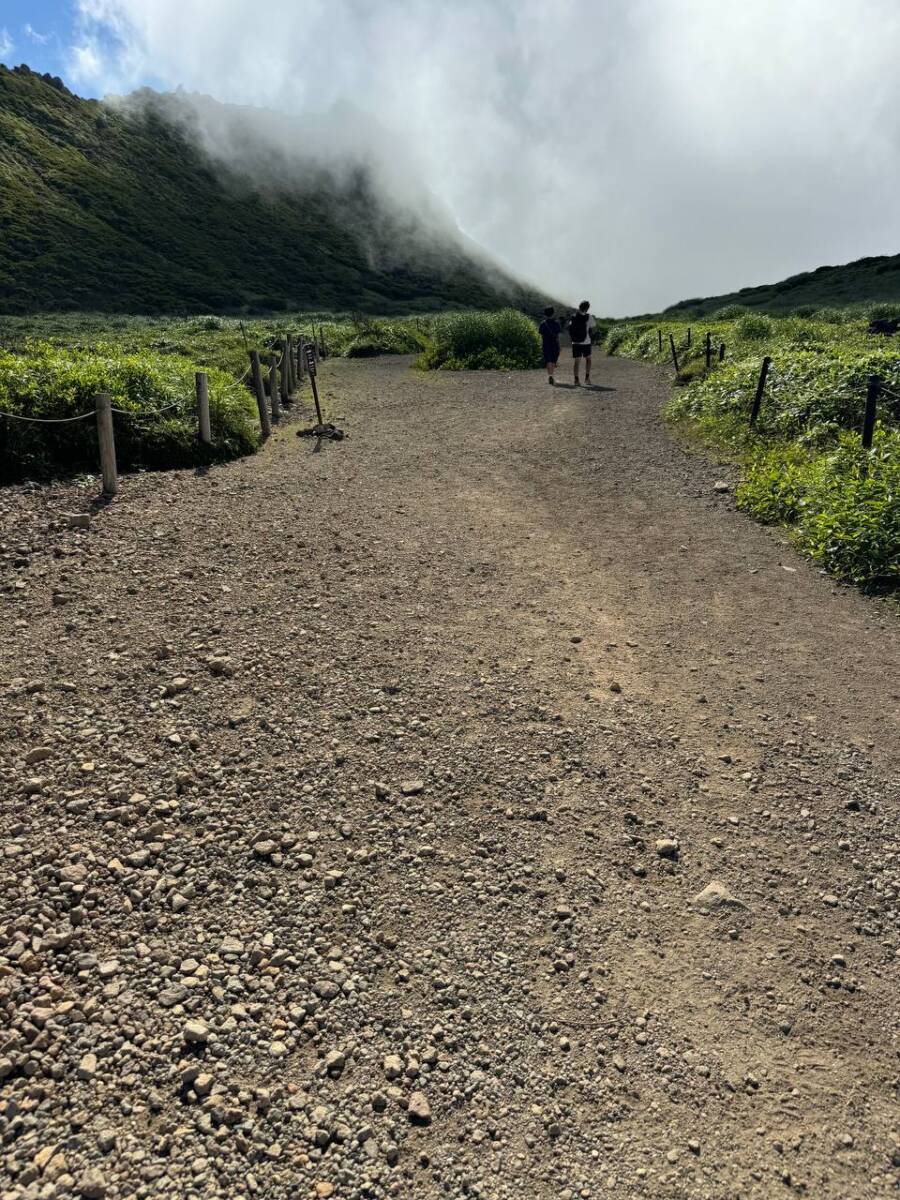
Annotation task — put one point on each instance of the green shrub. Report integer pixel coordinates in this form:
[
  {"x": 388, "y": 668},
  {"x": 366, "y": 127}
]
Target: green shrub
[
  {"x": 753, "y": 327},
  {"x": 49, "y": 382},
  {"x": 504, "y": 340},
  {"x": 882, "y": 312},
  {"x": 774, "y": 484},
  {"x": 850, "y": 518},
  {"x": 729, "y": 312},
  {"x": 833, "y": 316}
]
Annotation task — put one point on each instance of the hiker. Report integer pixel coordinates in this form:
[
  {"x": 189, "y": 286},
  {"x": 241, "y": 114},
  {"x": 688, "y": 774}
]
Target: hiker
[
  {"x": 580, "y": 325},
  {"x": 550, "y": 329}
]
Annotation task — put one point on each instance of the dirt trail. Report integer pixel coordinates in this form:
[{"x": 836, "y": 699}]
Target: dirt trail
[{"x": 371, "y": 791}]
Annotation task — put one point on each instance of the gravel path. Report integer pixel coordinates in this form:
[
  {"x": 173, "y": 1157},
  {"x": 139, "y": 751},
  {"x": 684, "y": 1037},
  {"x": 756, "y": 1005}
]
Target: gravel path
[{"x": 479, "y": 807}]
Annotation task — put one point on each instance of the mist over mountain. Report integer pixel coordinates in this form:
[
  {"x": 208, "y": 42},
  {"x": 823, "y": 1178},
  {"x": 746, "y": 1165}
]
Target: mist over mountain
[{"x": 153, "y": 203}]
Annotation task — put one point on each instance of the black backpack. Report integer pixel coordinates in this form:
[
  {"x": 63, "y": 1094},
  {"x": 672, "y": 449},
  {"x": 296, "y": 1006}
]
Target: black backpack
[{"x": 578, "y": 327}]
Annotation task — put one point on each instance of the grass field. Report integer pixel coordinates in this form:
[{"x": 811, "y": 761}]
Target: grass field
[{"x": 803, "y": 464}]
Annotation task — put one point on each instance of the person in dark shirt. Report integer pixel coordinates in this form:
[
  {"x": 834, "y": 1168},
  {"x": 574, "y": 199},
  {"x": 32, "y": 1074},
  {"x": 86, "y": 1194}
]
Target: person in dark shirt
[{"x": 550, "y": 330}]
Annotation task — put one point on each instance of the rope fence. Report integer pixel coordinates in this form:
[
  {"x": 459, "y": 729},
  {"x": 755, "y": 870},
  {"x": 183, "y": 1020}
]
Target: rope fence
[{"x": 289, "y": 359}]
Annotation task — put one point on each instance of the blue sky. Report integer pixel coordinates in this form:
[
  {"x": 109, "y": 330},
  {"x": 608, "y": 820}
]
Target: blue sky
[{"x": 42, "y": 34}]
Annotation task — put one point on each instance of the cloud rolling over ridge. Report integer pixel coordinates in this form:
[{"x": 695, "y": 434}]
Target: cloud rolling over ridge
[{"x": 633, "y": 151}]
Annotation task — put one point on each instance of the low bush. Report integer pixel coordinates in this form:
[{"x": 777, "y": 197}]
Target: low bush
[
  {"x": 52, "y": 383},
  {"x": 753, "y": 327},
  {"x": 729, "y": 312},
  {"x": 850, "y": 515},
  {"x": 775, "y": 483},
  {"x": 504, "y": 340}
]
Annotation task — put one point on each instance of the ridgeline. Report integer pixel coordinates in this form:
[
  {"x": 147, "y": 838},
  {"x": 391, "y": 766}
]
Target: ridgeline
[{"x": 864, "y": 282}]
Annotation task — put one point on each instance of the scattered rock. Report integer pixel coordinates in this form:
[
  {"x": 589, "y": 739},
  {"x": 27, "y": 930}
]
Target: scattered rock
[{"x": 716, "y": 895}]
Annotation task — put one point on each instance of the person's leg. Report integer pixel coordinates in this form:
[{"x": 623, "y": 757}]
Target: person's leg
[
  {"x": 575, "y": 361},
  {"x": 587, "y": 366}
]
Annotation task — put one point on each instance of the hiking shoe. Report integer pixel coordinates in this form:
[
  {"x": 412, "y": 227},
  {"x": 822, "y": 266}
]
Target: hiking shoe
[{"x": 551, "y": 381}]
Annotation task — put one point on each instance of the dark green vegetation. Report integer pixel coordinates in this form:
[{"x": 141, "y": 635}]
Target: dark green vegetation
[
  {"x": 51, "y": 367},
  {"x": 859, "y": 284},
  {"x": 118, "y": 210},
  {"x": 803, "y": 464},
  {"x": 504, "y": 340}
]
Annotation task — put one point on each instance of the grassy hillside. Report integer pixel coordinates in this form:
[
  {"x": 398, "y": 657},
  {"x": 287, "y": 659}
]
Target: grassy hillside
[
  {"x": 867, "y": 281},
  {"x": 118, "y": 210}
]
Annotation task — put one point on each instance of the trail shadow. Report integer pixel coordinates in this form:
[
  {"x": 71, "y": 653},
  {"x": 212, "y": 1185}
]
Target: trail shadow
[{"x": 585, "y": 387}]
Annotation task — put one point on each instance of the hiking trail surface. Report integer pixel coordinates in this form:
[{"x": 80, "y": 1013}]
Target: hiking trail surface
[{"x": 478, "y": 807}]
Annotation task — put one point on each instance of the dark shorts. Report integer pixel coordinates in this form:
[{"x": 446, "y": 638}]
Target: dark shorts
[
  {"x": 551, "y": 352},
  {"x": 581, "y": 350}
]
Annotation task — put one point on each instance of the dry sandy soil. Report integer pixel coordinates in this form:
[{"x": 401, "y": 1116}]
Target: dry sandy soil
[{"x": 360, "y": 810}]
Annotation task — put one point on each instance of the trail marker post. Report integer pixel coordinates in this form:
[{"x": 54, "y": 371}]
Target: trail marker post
[
  {"x": 311, "y": 368},
  {"x": 868, "y": 429},
  {"x": 107, "y": 442},
  {"x": 265, "y": 423},
  {"x": 674, "y": 355},
  {"x": 202, "y": 384},
  {"x": 760, "y": 388}
]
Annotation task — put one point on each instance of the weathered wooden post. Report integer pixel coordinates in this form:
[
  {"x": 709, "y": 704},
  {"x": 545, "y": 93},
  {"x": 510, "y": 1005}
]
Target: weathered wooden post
[
  {"x": 106, "y": 440},
  {"x": 311, "y": 367},
  {"x": 674, "y": 355},
  {"x": 659, "y": 335},
  {"x": 292, "y": 365},
  {"x": 760, "y": 388},
  {"x": 273, "y": 388},
  {"x": 689, "y": 336},
  {"x": 285, "y": 373},
  {"x": 721, "y": 352},
  {"x": 301, "y": 356},
  {"x": 202, "y": 383},
  {"x": 265, "y": 423},
  {"x": 868, "y": 429},
  {"x": 708, "y": 351}
]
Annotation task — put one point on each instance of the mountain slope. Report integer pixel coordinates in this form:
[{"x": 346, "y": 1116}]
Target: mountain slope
[
  {"x": 118, "y": 209},
  {"x": 865, "y": 281}
]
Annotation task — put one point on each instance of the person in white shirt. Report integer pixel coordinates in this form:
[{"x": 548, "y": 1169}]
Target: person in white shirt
[{"x": 580, "y": 325}]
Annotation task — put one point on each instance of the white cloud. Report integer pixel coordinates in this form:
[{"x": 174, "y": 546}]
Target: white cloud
[
  {"x": 637, "y": 151},
  {"x": 30, "y": 32},
  {"x": 6, "y": 44},
  {"x": 86, "y": 63}
]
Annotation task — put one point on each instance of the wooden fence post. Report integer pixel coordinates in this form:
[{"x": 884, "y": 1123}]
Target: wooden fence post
[
  {"x": 273, "y": 388},
  {"x": 107, "y": 442},
  {"x": 292, "y": 365},
  {"x": 674, "y": 355},
  {"x": 721, "y": 352},
  {"x": 708, "y": 351},
  {"x": 285, "y": 373},
  {"x": 265, "y": 423},
  {"x": 868, "y": 429},
  {"x": 300, "y": 358},
  {"x": 760, "y": 388},
  {"x": 659, "y": 335},
  {"x": 689, "y": 335},
  {"x": 202, "y": 384}
]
